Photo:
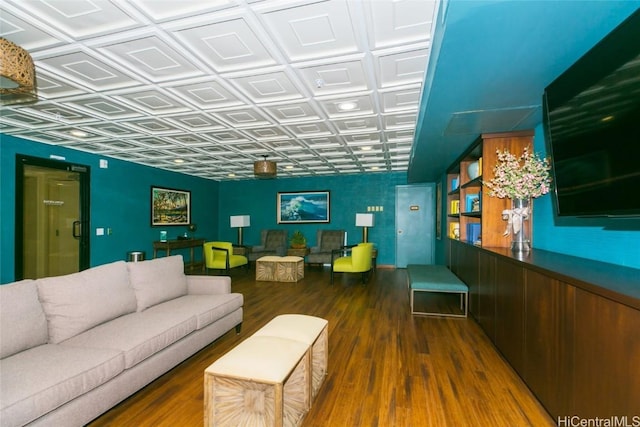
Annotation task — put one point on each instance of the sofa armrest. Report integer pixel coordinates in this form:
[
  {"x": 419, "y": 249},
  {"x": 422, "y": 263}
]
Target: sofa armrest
[{"x": 208, "y": 285}]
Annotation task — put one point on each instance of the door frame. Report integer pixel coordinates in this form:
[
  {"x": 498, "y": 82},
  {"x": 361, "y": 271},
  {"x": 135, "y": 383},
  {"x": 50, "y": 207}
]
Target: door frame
[{"x": 85, "y": 185}]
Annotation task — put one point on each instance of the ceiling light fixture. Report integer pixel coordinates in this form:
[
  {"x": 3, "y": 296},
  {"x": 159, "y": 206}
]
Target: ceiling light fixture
[
  {"x": 265, "y": 169},
  {"x": 78, "y": 133},
  {"x": 347, "y": 106},
  {"x": 17, "y": 75}
]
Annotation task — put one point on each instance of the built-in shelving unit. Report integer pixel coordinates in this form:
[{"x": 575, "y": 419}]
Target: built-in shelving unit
[{"x": 480, "y": 223}]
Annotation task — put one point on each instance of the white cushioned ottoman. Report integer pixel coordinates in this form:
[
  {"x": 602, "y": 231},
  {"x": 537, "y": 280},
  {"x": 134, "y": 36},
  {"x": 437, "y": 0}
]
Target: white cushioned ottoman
[
  {"x": 310, "y": 330},
  {"x": 263, "y": 381}
]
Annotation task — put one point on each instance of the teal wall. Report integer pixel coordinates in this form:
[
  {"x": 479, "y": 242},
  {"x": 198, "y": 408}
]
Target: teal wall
[
  {"x": 120, "y": 199},
  {"x": 348, "y": 194}
]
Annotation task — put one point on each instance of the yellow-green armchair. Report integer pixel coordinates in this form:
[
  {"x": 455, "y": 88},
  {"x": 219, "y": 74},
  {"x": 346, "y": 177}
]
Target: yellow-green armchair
[
  {"x": 358, "y": 262},
  {"x": 219, "y": 256}
]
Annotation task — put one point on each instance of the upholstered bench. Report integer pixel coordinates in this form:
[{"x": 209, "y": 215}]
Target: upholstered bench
[
  {"x": 263, "y": 381},
  {"x": 310, "y": 330},
  {"x": 436, "y": 278},
  {"x": 280, "y": 268}
]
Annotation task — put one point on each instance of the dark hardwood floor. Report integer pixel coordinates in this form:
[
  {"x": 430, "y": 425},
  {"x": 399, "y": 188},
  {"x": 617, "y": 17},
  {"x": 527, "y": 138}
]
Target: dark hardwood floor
[{"x": 386, "y": 367}]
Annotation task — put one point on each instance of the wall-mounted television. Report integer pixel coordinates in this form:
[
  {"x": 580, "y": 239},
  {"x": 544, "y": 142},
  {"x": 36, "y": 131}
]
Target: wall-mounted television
[{"x": 592, "y": 128}]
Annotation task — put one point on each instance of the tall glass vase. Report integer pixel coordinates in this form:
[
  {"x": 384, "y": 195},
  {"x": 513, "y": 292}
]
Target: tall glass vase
[{"x": 520, "y": 211}]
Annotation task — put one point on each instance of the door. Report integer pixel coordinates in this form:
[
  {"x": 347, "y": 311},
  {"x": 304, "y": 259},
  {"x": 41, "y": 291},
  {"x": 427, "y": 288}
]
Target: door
[
  {"x": 52, "y": 218},
  {"x": 415, "y": 224}
]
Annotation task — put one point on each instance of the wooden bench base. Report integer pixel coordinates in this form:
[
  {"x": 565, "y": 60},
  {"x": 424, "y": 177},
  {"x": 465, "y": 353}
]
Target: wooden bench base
[
  {"x": 263, "y": 381},
  {"x": 271, "y": 378},
  {"x": 438, "y": 279}
]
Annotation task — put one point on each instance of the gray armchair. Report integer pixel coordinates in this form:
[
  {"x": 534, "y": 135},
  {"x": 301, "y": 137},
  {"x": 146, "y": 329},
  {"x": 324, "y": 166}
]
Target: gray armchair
[
  {"x": 326, "y": 241},
  {"x": 272, "y": 242}
]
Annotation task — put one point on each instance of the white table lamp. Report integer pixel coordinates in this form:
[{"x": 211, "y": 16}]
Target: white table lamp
[
  {"x": 365, "y": 220},
  {"x": 240, "y": 221}
]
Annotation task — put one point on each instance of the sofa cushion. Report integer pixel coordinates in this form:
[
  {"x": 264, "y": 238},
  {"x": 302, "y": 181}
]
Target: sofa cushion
[
  {"x": 138, "y": 335},
  {"x": 206, "y": 308},
  {"x": 77, "y": 302},
  {"x": 37, "y": 381},
  {"x": 158, "y": 280},
  {"x": 24, "y": 324}
]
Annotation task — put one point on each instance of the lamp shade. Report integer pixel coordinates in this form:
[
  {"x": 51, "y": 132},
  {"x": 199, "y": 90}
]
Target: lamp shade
[
  {"x": 265, "y": 169},
  {"x": 17, "y": 74},
  {"x": 240, "y": 221},
  {"x": 364, "y": 220}
]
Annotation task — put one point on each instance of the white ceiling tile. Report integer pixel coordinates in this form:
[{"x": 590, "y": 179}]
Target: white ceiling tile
[
  {"x": 399, "y": 22},
  {"x": 87, "y": 70},
  {"x": 81, "y": 18},
  {"x": 152, "y": 58},
  {"x": 401, "y": 99},
  {"x": 242, "y": 117},
  {"x": 227, "y": 46},
  {"x": 172, "y": 9},
  {"x": 206, "y": 95},
  {"x": 306, "y": 31},
  {"x": 293, "y": 112},
  {"x": 270, "y": 87},
  {"x": 335, "y": 77},
  {"x": 220, "y": 83},
  {"x": 402, "y": 68}
]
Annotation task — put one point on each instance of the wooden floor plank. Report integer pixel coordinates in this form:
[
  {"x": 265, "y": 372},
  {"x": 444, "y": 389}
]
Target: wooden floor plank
[{"x": 386, "y": 367}]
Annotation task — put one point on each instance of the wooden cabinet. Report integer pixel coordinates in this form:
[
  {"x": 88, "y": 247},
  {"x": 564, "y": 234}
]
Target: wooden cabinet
[
  {"x": 548, "y": 334},
  {"x": 476, "y": 216},
  {"x": 606, "y": 362},
  {"x": 568, "y": 326},
  {"x": 509, "y": 319},
  {"x": 485, "y": 313}
]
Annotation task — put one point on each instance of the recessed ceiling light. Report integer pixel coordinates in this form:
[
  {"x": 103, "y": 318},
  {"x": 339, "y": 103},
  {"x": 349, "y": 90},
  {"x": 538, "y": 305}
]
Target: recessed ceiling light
[
  {"x": 178, "y": 161},
  {"x": 607, "y": 119},
  {"x": 78, "y": 133},
  {"x": 365, "y": 148},
  {"x": 375, "y": 168},
  {"x": 347, "y": 106},
  {"x": 231, "y": 175},
  {"x": 289, "y": 167}
]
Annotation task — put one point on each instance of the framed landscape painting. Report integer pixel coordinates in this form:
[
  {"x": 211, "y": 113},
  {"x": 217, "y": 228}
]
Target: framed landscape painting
[
  {"x": 303, "y": 206},
  {"x": 170, "y": 206}
]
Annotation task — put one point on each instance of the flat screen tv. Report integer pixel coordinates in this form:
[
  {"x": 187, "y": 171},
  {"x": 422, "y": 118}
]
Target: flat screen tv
[{"x": 592, "y": 128}]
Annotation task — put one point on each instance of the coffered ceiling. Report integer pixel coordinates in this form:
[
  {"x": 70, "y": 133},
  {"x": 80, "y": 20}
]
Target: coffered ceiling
[{"x": 206, "y": 88}]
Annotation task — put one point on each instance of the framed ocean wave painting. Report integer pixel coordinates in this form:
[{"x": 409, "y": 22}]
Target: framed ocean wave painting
[{"x": 303, "y": 207}]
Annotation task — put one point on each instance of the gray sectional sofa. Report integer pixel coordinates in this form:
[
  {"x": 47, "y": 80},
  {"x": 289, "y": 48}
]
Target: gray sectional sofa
[{"x": 73, "y": 346}]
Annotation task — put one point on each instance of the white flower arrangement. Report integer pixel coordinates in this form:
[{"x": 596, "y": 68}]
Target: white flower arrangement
[{"x": 519, "y": 177}]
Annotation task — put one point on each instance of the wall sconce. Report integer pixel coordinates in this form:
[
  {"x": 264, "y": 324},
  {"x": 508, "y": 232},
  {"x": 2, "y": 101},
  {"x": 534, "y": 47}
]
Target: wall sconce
[
  {"x": 364, "y": 220},
  {"x": 240, "y": 221}
]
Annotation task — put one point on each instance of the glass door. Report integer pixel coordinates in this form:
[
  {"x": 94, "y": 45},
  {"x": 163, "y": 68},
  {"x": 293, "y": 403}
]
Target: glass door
[{"x": 52, "y": 218}]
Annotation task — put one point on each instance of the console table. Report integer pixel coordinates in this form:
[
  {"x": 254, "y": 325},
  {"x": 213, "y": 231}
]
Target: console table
[{"x": 190, "y": 244}]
